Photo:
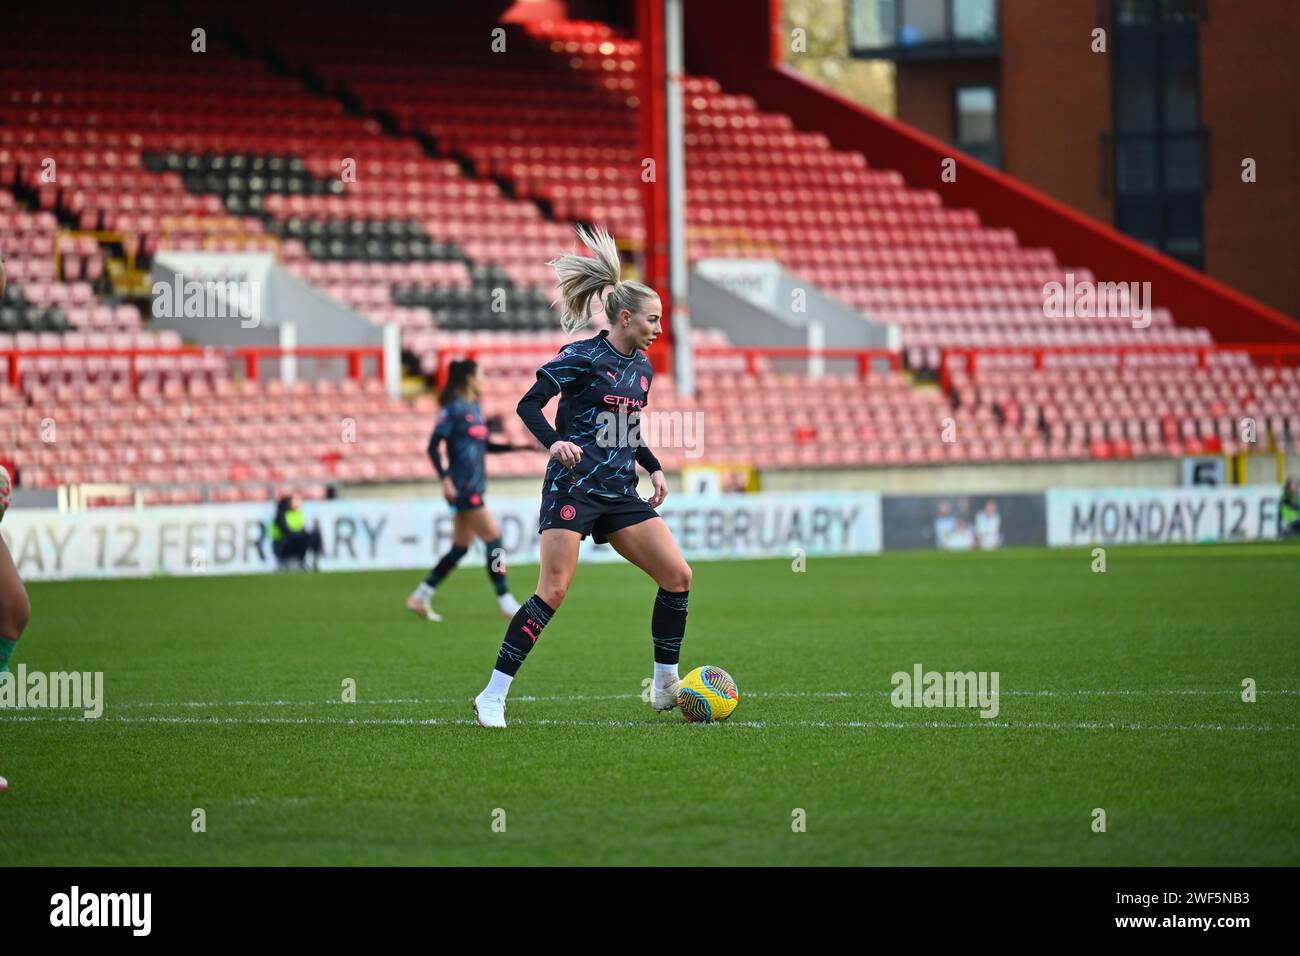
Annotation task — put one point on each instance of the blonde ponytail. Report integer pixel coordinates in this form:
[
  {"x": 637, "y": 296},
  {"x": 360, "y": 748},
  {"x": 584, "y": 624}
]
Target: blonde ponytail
[{"x": 581, "y": 279}]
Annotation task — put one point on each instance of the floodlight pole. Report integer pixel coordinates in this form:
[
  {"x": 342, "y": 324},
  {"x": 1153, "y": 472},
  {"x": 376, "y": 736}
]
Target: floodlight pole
[
  {"x": 663, "y": 197},
  {"x": 653, "y": 168},
  {"x": 678, "y": 275}
]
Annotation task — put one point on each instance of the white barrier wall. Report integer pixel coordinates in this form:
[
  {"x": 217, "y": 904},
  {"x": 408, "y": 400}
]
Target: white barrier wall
[
  {"x": 1086, "y": 516},
  {"x": 378, "y": 534},
  {"x": 387, "y": 534}
]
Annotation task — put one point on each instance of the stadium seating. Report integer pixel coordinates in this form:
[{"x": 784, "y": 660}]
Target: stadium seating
[
  {"x": 39, "y": 300},
  {"x": 225, "y": 441},
  {"x": 1102, "y": 403},
  {"x": 425, "y": 182},
  {"x": 558, "y": 123}
]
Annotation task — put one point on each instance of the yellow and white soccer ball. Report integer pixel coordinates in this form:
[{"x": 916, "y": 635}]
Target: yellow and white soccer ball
[{"x": 707, "y": 694}]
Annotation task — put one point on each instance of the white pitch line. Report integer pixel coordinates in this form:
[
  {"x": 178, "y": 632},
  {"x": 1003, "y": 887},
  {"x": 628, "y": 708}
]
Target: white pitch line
[
  {"x": 1161, "y": 692},
  {"x": 750, "y": 724}
]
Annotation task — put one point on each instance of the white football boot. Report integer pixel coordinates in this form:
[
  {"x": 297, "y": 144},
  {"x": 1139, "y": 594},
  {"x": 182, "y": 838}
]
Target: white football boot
[
  {"x": 666, "y": 698},
  {"x": 422, "y": 608},
  {"x": 509, "y": 606},
  {"x": 490, "y": 711}
]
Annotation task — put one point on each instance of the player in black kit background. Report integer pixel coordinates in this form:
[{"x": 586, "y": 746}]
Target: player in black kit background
[
  {"x": 15, "y": 608},
  {"x": 590, "y": 483},
  {"x": 464, "y": 481}
]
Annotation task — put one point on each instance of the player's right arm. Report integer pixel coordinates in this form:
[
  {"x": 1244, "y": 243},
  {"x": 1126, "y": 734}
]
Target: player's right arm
[
  {"x": 441, "y": 433},
  {"x": 567, "y": 373}
]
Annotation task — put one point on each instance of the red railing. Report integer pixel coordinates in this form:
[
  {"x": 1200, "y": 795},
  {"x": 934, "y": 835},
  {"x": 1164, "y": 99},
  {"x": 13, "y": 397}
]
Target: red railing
[
  {"x": 250, "y": 356},
  {"x": 448, "y": 355},
  {"x": 864, "y": 358},
  {"x": 356, "y": 357},
  {"x": 969, "y": 358}
]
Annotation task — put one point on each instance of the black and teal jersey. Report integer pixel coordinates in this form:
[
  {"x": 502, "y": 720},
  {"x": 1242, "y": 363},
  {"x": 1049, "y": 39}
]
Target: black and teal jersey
[
  {"x": 461, "y": 426},
  {"x": 602, "y": 393}
]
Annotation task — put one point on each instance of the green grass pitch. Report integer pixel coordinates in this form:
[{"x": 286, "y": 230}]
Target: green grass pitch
[{"x": 1119, "y": 691}]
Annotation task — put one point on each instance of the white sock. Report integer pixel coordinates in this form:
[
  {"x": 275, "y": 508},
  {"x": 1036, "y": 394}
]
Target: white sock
[
  {"x": 498, "y": 684},
  {"x": 665, "y": 674},
  {"x": 423, "y": 591},
  {"x": 507, "y": 600}
]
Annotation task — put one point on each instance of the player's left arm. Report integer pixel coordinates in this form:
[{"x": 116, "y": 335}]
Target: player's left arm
[{"x": 647, "y": 460}]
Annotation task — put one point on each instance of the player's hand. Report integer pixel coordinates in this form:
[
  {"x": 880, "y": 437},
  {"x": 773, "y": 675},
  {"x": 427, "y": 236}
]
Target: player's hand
[
  {"x": 567, "y": 453},
  {"x": 661, "y": 489},
  {"x": 449, "y": 490}
]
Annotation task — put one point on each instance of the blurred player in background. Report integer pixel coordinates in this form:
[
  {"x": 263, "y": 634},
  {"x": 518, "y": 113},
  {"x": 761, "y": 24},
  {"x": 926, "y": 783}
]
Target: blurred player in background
[
  {"x": 590, "y": 483},
  {"x": 15, "y": 609},
  {"x": 464, "y": 480}
]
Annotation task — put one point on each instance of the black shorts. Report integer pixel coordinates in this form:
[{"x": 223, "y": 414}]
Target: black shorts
[
  {"x": 467, "y": 501},
  {"x": 590, "y": 514}
]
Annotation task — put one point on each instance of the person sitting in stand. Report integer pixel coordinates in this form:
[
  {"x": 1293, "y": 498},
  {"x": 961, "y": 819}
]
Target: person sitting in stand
[
  {"x": 1289, "y": 509},
  {"x": 291, "y": 541}
]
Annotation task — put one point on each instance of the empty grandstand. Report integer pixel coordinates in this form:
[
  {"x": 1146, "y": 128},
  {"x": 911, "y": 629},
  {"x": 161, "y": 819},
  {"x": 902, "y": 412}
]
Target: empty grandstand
[{"x": 422, "y": 182}]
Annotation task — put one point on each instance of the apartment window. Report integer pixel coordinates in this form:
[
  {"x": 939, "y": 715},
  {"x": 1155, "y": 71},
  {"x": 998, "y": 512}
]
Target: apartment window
[
  {"x": 922, "y": 29},
  {"x": 975, "y": 111},
  {"x": 974, "y": 22},
  {"x": 1158, "y": 150},
  {"x": 1128, "y": 12}
]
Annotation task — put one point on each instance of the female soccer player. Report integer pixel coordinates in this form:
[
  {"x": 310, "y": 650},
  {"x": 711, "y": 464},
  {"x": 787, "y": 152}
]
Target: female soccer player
[
  {"x": 590, "y": 483},
  {"x": 461, "y": 426},
  {"x": 15, "y": 609}
]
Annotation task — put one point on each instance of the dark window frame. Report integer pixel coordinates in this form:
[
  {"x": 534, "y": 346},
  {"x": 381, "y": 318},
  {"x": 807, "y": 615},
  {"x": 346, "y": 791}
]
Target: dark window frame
[
  {"x": 949, "y": 48},
  {"x": 1160, "y": 198},
  {"x": 995, "y": 160},
  {"x": 1106, "y": 14}
]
